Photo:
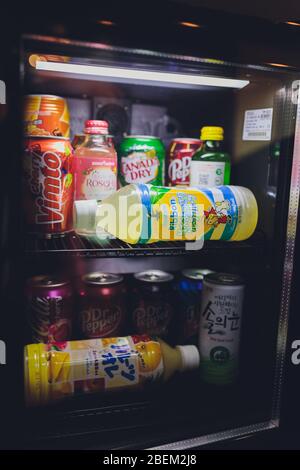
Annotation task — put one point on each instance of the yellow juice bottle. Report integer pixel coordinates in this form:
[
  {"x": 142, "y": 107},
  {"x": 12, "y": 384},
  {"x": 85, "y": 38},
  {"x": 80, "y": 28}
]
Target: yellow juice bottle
[
  {"x": 142, "y": 213},
  {"x": 59, "y": 370}
]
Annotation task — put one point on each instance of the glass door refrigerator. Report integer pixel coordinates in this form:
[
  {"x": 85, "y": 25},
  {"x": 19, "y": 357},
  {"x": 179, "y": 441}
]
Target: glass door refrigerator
[{"x": 165, "y": 77}]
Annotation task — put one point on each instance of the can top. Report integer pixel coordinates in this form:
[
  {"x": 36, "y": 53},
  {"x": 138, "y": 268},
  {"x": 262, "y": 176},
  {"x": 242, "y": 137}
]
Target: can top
[
  {"x": 47, "y": 281},
  {"x": 42, "y": 95},
  {"x": 154, "y": 275},
  {"x": 46, "y": 137},
  {"x": 148, "y": 137},
  {"x": 196, "y": 274},
  {"x": 102, "y": 279},
  {"x": 225, "y": 279},
  {"x": 188, "y": 140}
]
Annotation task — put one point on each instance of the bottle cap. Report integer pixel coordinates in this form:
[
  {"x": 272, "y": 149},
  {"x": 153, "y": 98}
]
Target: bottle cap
[
  {"x": 190, "y": 357},
  {"x": 212, "y": 133},
  {"x": 84, "y": 215},
  {"x": 93, "y": 126}
]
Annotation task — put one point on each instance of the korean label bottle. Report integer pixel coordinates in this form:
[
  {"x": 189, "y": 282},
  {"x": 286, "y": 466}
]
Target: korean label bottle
[
  {"x": 56, "y": 371},
  {"x": 210, "y": 165}
]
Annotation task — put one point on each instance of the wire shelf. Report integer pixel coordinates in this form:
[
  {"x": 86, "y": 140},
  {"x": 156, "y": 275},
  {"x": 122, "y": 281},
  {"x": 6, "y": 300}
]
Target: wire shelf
[{"x": 74, "y": 245}]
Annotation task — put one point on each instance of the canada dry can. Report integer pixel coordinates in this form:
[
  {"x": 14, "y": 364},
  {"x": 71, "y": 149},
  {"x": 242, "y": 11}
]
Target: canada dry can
[
  {"x": 47, "y": 116},
  {"x": 50, "y": 308},
  {"x": 48, "y": 185},
  {"x": 220, "y": 323},
  {"x": 153, "y": 303},
  {"x": 141, "y": 160},
  {"x": 189, "y": 304},
  {"x": 102, "y": 305},
  {"x": 179, "y": 158}
]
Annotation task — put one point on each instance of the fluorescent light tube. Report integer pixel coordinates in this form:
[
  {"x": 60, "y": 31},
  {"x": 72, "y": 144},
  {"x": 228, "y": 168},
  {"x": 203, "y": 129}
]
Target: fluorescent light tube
[{"x": 143, "y": 76}]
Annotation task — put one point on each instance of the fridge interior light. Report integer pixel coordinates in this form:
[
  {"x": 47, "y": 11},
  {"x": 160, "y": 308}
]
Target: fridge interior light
[{"x": 143, "y": 76}]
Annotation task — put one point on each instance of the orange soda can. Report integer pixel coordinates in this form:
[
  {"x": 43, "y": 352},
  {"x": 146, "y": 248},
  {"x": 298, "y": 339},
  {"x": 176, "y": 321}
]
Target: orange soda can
[
  {"x": 46, "y": 115},
  {"x": 48, "y": 185}
]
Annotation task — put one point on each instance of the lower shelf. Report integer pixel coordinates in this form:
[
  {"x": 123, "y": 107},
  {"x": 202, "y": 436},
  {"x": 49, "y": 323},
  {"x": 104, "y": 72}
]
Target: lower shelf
[{"x": 145, "y": 419}]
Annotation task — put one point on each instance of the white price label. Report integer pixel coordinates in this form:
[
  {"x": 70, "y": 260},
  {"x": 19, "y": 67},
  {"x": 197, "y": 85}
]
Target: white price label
[{"x": 258, "y": 124}]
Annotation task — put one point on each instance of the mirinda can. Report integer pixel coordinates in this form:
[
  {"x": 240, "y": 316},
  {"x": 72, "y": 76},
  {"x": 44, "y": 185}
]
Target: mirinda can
[
  {"x": 48, "y": 186},
  {"x": 46, "y": 115}
]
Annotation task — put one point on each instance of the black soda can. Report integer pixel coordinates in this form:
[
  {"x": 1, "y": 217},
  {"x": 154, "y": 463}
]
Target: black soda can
[
  {"x": 153, "y": 306},
  {"x": 189, "y": 295}
]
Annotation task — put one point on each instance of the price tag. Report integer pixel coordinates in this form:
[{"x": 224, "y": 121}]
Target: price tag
[{"x": 258, "y": 124}]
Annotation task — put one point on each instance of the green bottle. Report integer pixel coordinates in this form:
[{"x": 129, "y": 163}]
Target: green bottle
[{"x": 210, "y": 165}]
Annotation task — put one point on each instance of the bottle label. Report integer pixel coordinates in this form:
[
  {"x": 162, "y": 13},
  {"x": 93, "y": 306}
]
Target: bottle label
[
  {"x": 103, "y": 364},
  {"x": 191, "y": 213},
  {"x": 95, "y": 178},
  {"x": 205, "y": 173},
  {"x": 219, "y": 337},
  {"x": 224, "y": 215}
]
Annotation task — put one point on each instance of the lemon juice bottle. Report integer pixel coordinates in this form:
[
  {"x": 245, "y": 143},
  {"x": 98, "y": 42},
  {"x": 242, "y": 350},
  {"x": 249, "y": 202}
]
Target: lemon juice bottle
[{"x": 142, "y": 213}]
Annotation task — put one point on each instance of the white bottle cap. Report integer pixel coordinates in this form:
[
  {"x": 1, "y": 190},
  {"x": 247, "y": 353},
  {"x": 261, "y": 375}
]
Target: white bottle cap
[
  {"x": 84, "y": 215},
  {"x": 190, "y": 357}
]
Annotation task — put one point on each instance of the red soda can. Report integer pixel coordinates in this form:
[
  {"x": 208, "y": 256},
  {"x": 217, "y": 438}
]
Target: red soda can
[
  {"x": 102, "y": 305},
  {"x": 49, "y": 301},
  {"x": 179, "y": 157},
  {"x": 48, "y": 185}
]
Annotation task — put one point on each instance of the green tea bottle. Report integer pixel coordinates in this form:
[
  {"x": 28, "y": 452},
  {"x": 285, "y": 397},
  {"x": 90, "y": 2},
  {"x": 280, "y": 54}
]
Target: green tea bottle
[{"x": 210, "y": 165}]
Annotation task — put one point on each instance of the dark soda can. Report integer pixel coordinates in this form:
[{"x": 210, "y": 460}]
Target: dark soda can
[
  {"x": 50, "y": 306},
  {"x": 189, "y": 302},
  {"x": 153, "y": 303},
  {"x": 102, "y": 305}
]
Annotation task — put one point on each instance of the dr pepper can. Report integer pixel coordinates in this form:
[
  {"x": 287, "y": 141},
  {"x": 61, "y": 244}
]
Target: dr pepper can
[
  {"x": 153, "y": 306},
  {"x": 179, "y": 157},
  {"x": 101, "y": 305}
]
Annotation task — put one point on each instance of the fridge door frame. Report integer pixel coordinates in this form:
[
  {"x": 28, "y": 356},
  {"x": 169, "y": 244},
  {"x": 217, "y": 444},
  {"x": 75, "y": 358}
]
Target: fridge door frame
[{"x": 289, "y": 248}]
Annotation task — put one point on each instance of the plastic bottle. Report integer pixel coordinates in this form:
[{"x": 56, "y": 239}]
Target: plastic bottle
[
  {"x": 144, "y": 214},
  {"x": 58, "y": 370},
  {"x": 210, "y": 165},
  {"x": 95, "y": 163}
]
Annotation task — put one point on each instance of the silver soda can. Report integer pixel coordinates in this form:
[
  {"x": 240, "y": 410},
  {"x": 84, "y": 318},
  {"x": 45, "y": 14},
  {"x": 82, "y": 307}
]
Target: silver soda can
[{"x": 220, "y": 324}]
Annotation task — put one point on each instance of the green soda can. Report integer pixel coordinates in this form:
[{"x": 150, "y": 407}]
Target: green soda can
[{"x": 141, "y": 160}]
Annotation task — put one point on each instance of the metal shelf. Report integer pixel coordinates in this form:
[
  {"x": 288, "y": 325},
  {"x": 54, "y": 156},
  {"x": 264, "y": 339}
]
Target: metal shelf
[{"x": 91, "y": 247}]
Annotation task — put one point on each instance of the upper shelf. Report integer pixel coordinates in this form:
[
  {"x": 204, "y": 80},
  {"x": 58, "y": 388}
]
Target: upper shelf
[{"x": 91, "y": 247}]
